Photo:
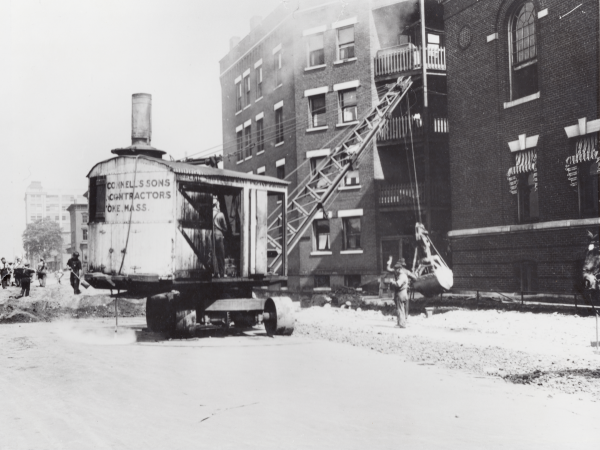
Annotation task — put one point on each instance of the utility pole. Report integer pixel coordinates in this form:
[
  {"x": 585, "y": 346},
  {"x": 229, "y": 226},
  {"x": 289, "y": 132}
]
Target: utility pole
[{"x": 425, "y": 118}]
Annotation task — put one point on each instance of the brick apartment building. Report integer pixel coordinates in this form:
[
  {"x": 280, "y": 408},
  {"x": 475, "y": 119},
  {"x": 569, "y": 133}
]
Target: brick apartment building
[
  {"x": 300, "y": 80},
  {"x": 523, "y": 110},
  {"x": 78, "y": 213}
]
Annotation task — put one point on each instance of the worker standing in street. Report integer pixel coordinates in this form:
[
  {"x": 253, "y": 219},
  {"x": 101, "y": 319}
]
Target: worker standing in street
[
  {"x": 75, "y": 266},
  {"x": 41, "y": 272},
  {"x": 4, "y": 272},
  {"x": 26, "y": 280},
  {"x": 18, "y": 265},
  {"x": 219, "y": 237},
  {"x": 400, "y": 286}
]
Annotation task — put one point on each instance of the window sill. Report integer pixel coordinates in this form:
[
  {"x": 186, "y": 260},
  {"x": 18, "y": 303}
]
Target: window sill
[
  {"x": 259, "y": 98},
  {"x": 239, "y": 112},
  {"x": 249, "y": 157},
  {"x": 521, "y": 100},
  {"x": 278, "y": 86},
  {"x": 279, "y": 202},
  {"x": 320, "y": 66},
  {"x": 349, "y": 188},
  {"x": 346, "y": 124},
  {"x": 322, "y": 289},
  {"x": 260, "y": 153},
  {"x": 351, "y": 252},
  {"x": 279, "y": 144},
  {"x": 246, "y": 107},
  {"x": 321, "y": 253},
  {"x": 342, "y": 61},
  {"x": 310, "y": 130},
  {"x": 240, "y": 161}
]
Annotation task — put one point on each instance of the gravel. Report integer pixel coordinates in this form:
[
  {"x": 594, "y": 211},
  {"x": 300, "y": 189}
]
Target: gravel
[{"x": 548, "y": 350}]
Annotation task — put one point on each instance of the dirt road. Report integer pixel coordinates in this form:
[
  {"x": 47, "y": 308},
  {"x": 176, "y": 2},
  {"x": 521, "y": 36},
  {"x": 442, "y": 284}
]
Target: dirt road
[{"x": 75, "y": 386}]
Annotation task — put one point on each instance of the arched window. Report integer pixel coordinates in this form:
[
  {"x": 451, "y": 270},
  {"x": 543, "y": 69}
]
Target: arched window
[{"x": 523, "y": 52}]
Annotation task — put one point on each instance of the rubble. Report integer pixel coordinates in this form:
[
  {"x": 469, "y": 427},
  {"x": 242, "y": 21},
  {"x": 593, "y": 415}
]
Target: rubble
[{"x": 547, "y": 350}]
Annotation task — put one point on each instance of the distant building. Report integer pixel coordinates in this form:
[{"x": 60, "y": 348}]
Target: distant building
[
  {"x": 79, "y": 231},
  {"x": 524, "y": 116},
  {"x": 302, "y": 78},
  {"x": 52, "y": 203}
]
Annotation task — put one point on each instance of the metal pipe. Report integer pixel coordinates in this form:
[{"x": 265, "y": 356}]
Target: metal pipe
[{"x": 141, "y": 118}]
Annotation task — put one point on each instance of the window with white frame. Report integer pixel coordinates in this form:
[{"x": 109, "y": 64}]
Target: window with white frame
[
  {"x": 238, "y": 96},
  {"x": 345, "y": 38},
  {"x": 322, "y": 281},
  {"x": 321, "y": 241},
  {"x": 259, "y": 82},
  {"x": 248, "y": 139},
  {"x": 315, "y": 164},
  {"x": 523, "y": 51},
  {"x": 352, "y": 227},
  {"x": 260, "y": 136},
  {"x": 317, "y": 111},
  {"x": 351, "y": 178},
  {"x": 246, "y": 80},
  {"x": 529, "y": 209},
  {"x": 348, "y": 106},
  {"x": 261, "y": 170},
  {"x": 280, "y": 166},
  {"x": 279, "y": 125},
  {"x": 277, "y": 67},
  {"x": 240, "y": 145},
  {"x": 315, "y": 49}
]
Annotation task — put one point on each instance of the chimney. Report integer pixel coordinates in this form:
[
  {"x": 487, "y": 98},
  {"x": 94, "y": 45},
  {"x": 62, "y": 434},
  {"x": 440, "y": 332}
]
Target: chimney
[
  {"x": 141, "y": 128},
  {"x": 235, "y": 40},
  {"x": 254, "y": 22}
]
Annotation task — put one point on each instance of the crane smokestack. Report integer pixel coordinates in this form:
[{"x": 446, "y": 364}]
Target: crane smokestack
[{"x": 141, "y": 128}]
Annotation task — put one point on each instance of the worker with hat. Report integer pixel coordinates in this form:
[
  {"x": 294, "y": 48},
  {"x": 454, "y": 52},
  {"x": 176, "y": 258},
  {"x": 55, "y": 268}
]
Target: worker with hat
[
  {"x": 4, "y": 272},
  {"x": 26, "y": 279},
  {"x": 219, "y": 230},
  {"x": 42, "y": 271},
  {"x": 75, "y": 266},
  {"x": 400, "y": 286}
]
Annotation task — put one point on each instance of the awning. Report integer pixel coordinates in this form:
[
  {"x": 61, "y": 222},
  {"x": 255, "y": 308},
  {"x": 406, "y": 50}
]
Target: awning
[
  {"x": 525, "y": 162},
  {"x": 585, "y": 150}
]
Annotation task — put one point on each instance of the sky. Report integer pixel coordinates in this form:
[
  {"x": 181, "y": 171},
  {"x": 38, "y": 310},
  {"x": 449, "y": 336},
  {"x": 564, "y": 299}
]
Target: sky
[{"x": 69, "y": 68}]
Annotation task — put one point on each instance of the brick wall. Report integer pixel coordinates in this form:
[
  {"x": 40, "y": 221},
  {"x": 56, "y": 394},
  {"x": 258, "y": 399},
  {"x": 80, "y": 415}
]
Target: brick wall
[{"x": 478, "y": 86}]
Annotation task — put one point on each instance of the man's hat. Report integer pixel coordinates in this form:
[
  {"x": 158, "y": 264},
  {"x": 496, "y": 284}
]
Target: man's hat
[
  {"x": 400, "y": 263},
  {"x": 75, "y": 253}
]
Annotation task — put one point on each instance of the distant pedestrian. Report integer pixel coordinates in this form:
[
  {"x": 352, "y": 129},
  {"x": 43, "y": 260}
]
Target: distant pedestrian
[
  {"x": 26, "y": 280},
  {"x": 11, "y": 273},
  {"x": 400, "y": 286},
  {"x": 75, "y": 266},
  {"x": 4, "y": 272},
  {"x": 42, "y": 271}
]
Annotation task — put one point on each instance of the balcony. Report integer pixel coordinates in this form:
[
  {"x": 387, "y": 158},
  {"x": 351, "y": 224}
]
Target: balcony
[
  {"x": 408, "y": 59},
  {"x": 406, "y": 194},
  {"x": 400, "y": 127}
]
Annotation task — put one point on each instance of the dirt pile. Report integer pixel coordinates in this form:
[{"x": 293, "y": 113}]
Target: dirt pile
[
  {"x": 57, "y": 301},
  {"x": 552, "y": 351}
]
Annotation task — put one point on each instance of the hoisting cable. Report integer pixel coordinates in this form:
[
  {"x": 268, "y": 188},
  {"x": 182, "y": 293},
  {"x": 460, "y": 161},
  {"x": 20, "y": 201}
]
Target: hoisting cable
[
  {"x": 124, "y": 251},
  {"x": 414, "y": 163}
]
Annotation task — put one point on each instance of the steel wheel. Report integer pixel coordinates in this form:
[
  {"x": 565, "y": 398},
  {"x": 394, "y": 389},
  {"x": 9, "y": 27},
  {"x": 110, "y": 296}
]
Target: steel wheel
[{"x": 278, "y": 316}]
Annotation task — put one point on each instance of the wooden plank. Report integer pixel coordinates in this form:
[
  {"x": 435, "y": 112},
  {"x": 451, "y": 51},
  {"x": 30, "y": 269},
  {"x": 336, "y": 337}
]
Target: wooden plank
[
  {"x": 245, "y": 228},
  {"x": 252, "y": 253},
  {"x": 237, "y": 304},
  {"x": 261, "y": 232}
]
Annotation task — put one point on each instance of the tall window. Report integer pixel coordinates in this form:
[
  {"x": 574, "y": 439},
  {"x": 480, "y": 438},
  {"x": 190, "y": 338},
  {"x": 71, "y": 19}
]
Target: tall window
[
  {"x": 279, "y": 125},
  {"x": 248, "y": 140},
  {"x": 352, "y": 178},
  {"x": 247, "y": 90},
  {"x": 348, "y": 110},
  {"x": 526, "y": 276},
  {"x": 528, "y": 197},
  {"x": 317, "y": 109},
  {"x": 351, "y": 233},
  {"x": 85, "y": 234},
  {"x": 240, "y": 145},
  {"x": 238, "y": 96},
  {"x": 277, "y": 68},
  {"x": 345, "y": 38},
  {"x": 321, "y": 235},
  {"x": 281, "y": 172},
  {"x": 588, "y": 188},
  {"x": 259, "y": 82},
  {"x": 322, "y": 281},
  {"x": 260, "y": 136},
  {"x": 315, "y": 163},
  {"x": 523, "y": 52},
  {"x": 316, "y": 51}
]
